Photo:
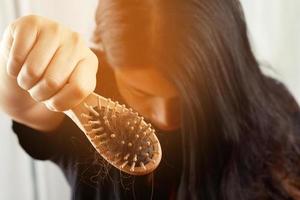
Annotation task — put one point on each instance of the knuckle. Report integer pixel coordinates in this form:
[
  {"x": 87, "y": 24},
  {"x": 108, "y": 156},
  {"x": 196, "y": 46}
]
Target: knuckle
[
  {"x": 76, "y": 39},
  {"x": 16, "y": 60},
  {"x": 34, "y": 23},
  {"x": 24, "y": 82},
  {"x": 81, "y": 91},
  {"x": 25, "y": 22},
  {"x": 52, "y": 83},
  {"x": 54, "y": 28},
  {"x": 31, "y": 19},
  {"x": 12, "y": 72},
  {"x": 14, "y": 64},
  {"x": 26, "y": 79},
  {"x": 30, "y": 72}
]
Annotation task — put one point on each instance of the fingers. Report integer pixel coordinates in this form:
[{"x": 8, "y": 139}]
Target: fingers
[
  {"x": 82, "y": 82},
  {"x": 23, "y": 38},
  {"x": 59, "y": 69},
  {"x": 38, "y": 58},
  {"x": 56, "y": 74},
  {"x": 49, "y": 61}
]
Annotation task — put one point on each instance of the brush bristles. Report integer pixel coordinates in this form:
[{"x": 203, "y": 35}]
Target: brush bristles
[{"x": 122, "y": 133}]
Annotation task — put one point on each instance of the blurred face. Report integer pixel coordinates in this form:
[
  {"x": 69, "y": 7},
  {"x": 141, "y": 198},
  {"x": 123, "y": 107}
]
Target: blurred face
[
  {"x": 147, "y": 91},
  {"x": 144, "y": 88}
]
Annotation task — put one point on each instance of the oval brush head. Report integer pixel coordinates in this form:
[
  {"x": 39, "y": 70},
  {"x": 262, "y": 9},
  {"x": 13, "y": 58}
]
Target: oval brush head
[{"x": 119, "y": 134}]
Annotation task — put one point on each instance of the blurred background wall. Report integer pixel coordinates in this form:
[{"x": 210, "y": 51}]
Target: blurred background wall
[
  {"x": 274, "y": 30},
  {"x": 20, "y": 176}
]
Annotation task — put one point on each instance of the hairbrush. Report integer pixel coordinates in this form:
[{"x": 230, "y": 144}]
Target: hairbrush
[{"x": 119, "y": 134}]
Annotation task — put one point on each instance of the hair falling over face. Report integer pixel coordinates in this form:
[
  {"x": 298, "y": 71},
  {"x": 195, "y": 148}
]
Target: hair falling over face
[{"x": 236, "y": 126}]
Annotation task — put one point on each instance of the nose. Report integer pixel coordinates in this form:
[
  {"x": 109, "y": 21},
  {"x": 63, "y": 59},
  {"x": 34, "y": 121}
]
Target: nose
[{"x": 166, "y": 114}]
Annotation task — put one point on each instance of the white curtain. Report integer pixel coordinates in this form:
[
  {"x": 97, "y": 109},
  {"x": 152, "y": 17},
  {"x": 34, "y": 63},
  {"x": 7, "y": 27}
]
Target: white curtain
[{"x": 274, "y": 30}]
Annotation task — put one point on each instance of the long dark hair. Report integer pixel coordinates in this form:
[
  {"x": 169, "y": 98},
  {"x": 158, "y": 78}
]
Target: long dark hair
[{"x": 237, "y": 124}]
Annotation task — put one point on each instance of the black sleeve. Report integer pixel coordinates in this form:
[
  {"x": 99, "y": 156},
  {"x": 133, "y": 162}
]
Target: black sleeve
[{"x": 45, "y": 146}]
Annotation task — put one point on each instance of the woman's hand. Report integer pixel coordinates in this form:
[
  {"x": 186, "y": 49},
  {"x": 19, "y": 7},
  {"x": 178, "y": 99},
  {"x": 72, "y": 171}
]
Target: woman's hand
[{"x": 49, "y": 61}]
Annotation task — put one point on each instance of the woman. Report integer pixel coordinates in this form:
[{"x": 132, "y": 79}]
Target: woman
[{"x": 227, "y": 131}]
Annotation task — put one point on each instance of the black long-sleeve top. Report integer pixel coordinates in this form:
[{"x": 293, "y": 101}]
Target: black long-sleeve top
[{"x": 90, "y": 176}]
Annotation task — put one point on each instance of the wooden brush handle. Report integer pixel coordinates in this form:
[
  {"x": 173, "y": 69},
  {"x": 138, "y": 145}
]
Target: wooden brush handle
[{"x": 75, "y": 113}]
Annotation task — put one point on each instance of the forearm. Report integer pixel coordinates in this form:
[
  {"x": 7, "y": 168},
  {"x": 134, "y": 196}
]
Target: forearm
[{"x": 40, "y": 118}]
